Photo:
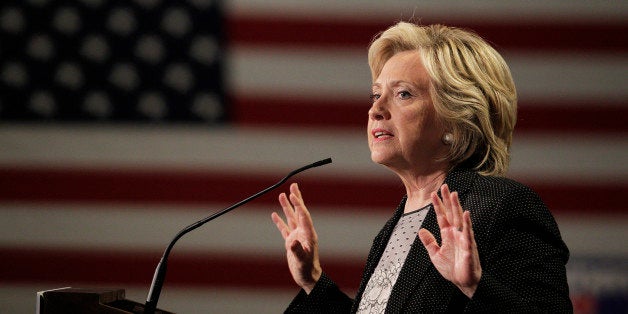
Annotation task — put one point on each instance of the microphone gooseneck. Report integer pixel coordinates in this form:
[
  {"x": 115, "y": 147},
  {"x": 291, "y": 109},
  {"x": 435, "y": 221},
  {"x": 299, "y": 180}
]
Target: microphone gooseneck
[{"x": 160, "y": 271}]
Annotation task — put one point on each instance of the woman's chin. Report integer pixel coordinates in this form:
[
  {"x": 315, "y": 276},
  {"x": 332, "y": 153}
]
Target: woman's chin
[{"x": 381, "y": 159}]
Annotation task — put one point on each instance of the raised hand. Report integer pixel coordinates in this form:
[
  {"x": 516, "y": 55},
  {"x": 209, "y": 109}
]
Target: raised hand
[
  {"x": 457, "y": 258},
  {"x": 300, "y": 238}
]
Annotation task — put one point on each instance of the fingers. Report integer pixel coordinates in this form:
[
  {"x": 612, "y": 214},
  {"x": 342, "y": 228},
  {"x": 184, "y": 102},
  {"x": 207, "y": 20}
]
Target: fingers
[
  {"x": 291, "y": 218},
  {"x": 446, "y": 195},
  {"x": 304, "y": 219},
  {"x": 296, "y": 213},
  {"x": 288, "y": 210},
  {"x": 294, "y": 189},
  {"x": 456, "y": 211},
  {"x": 448, "y": 210},
  {"x": 439, "y": 209},
  {"x": 281, "y": 225}
]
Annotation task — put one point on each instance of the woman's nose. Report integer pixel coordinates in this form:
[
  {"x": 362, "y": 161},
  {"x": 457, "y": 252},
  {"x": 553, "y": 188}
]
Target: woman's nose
[{"x": 378, "y": 110}]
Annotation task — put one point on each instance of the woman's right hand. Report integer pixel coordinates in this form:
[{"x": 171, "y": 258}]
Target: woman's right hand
[{"x": 300, "y": 239}]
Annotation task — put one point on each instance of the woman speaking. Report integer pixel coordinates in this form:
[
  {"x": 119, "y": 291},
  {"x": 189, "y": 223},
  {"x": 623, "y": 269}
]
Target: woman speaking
[{"x": 442, "y": 117}]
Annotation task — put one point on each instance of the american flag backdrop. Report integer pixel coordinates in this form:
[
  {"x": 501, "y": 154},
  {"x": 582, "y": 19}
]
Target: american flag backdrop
[{"x": 121, "y": 122}]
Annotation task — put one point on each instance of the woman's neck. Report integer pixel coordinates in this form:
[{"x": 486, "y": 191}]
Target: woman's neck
[{"x": 420, "y": 187}]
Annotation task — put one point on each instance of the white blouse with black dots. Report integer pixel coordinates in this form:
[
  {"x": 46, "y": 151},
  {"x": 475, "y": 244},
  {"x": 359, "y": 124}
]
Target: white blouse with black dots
[{"x": 379, "y": 287}]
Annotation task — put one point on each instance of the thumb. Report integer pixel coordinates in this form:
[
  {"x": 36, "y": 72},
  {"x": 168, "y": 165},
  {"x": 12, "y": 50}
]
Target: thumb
[
  {"x": 297, "y": 249},
  {"x": 429, "y": 241}
]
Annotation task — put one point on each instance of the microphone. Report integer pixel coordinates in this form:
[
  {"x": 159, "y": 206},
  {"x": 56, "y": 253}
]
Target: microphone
[{"x": 160, "y": 272}]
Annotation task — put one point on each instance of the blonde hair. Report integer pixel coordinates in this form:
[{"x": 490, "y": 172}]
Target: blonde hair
[{"x": 471, "y": 88}]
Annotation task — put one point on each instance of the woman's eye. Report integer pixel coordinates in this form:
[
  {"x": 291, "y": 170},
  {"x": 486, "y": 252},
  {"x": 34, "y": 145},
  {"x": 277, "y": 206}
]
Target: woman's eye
[
  {"x": 404, "y": 95},
  {"x": 374, "y": 97}
]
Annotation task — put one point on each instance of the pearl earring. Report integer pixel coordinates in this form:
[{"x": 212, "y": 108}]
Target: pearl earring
[{"x": 448, "y": 138}]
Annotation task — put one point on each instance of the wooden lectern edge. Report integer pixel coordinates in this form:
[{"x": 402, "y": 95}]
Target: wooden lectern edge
[{"x": 109, "y": 300}]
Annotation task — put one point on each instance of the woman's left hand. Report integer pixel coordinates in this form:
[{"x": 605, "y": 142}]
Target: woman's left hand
[{"x": 457, "y": 258}]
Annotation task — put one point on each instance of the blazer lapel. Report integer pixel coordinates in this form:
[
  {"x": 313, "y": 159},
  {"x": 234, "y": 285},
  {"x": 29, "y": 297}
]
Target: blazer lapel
[
  {"x": 415, "y": 267},
  {"x": 379, "y": 245},
  {"x": 418, "y": 262}
]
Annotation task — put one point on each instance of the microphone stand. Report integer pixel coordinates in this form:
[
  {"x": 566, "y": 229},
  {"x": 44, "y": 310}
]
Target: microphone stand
[{"x": 160, "y": 272}]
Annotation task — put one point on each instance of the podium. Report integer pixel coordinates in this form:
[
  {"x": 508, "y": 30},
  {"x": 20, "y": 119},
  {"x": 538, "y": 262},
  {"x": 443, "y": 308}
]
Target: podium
[{"x": 77, "y": 300}]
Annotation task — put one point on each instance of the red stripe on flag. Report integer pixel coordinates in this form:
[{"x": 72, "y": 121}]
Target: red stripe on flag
[
  {"x": 599, "y": 117},
  {"x": 321, "y": 32},
  {"x": 186, "y": 187},
  {"x": 102, "y": 267},
  {"x": 181, "y": 187},
  {"x": 537, "y": 116}
]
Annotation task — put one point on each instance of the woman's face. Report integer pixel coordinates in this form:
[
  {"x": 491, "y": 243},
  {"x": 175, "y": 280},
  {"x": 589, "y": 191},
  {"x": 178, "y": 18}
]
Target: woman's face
[{"x": 403, "y": 130}]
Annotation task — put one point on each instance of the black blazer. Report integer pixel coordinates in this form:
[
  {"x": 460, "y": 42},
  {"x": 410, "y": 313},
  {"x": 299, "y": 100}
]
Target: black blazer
[{"x": 521, "y": 253}]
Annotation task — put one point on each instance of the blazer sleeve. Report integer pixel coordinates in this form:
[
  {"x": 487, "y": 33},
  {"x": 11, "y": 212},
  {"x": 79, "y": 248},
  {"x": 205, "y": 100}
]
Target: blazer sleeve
[
  {"x": 326, "y": 297},
  {"x": 523, "y": 269}
]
